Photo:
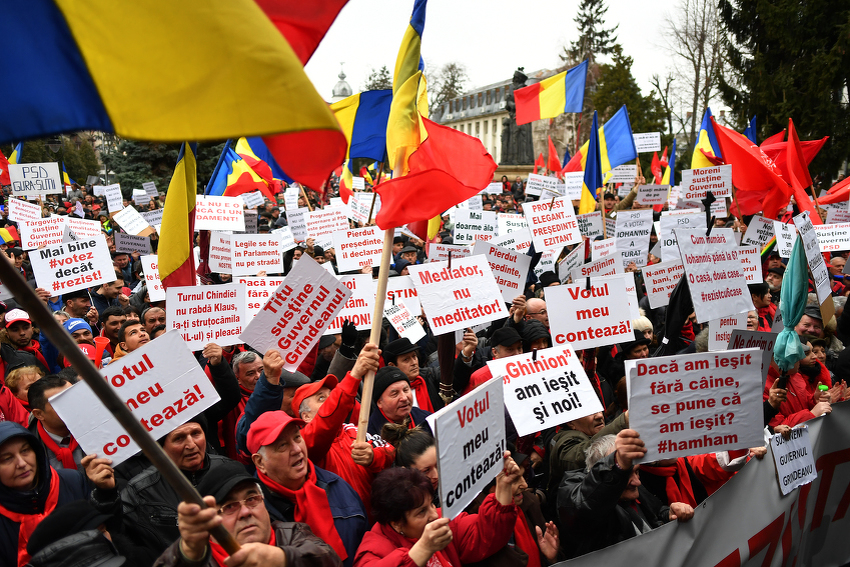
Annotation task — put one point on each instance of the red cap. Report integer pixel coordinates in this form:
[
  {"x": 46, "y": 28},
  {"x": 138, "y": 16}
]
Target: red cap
[
  {"x": 268, "y": 427},
  {"x": 16, "y": 315},
  {"x": 310, "y": 389},
  {"x": 88, "y": 350}
]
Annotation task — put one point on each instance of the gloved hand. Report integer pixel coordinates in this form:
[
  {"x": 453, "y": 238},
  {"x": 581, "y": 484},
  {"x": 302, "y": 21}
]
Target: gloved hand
[{"x": 349, "y": 340}]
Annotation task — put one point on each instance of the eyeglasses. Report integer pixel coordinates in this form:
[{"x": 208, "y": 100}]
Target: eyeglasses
[
  {"x": 233, "y": 507},
  {"x": 541, "y": 312}
]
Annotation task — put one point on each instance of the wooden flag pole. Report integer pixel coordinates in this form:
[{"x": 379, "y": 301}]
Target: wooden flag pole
[
  {"x": 304, "y": 194},
  {"x": 374, "y": 194},
  {"x": 40, "y": 315}
]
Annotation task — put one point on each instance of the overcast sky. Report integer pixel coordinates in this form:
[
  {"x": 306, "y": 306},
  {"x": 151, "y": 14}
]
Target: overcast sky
[{"x": 491, "y": 38}]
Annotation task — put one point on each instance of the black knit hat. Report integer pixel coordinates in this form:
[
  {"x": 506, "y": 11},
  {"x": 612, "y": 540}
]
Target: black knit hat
[
  {"x": 384, "y": 378},
  {"x": 532, "y": 331}
]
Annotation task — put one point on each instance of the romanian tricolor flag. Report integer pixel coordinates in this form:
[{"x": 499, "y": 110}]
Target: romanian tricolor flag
[
  {"x": 592, "y": 182},
  {"x": 707, "y": 150},
  {"x": 170, "y": 71},
  {"x": 255, "y": 151},
  {"x": 616, "y": 144},
  {"x": 234, "y": 176},
  {"x": 176, "y": 247},
  {"x": 66, "y": 180},
  {"x": 15, "y": 156},
  {"x": 669, "y": 177},
  {"x": 552, "y": 97}
]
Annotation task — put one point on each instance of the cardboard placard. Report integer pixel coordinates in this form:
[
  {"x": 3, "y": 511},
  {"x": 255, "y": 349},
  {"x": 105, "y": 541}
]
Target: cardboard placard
[
  {"x": 817, "y": 265},
  {"x": 838, "y": 216},
  {"x": 253, "y": 199},
  {"x": 660, "y": 280},
  {"x": 219, "y": 213},
  {"x": 786, "y": 234},
  {"x": 510, "y": 222},
  {"x": 322, "y": 223},
  {"x": 671, "y": 220},
  {"x": 297, "y": 221},
  {"x": 519, "y": 240},
  {"x": 764, "y": 341},
  {"x": 570, "y": 262},
  {"x": 647, "y": 142},
  {"x": 509, "y": 267},
  {"x": 602, "y": 248},
  {"x": 720, "y": 330},
  {"x": 207, "y": 314},
  {"x": 493, "y": 188},
  {"x": 66, "y": 267},
  {"x": 622, "y": 174},
  {"x": 597, "y": 316},
  {"x": 611, "y": 264},
  {"x": 552, "y": 223},
  {"x": 404, "y": 322},
  {"x": 360, "y": 205},
  {"x": 358, "y": 248},
  {"x": 360, "y": 306},
  {"x": 696, "y": 182},
  {"x": 141, "y": 199},
  {"x": 301, "y": 306},
  {"x": 221, "y": 254},
  {"x": 401, "y": 288},
  {"x": 652, "y": 194},
  {"x": 590, "y": 225},
  {"x": 833, "y": 237},
  {"x": 251, "y": 225},
  {"x": 632, "y": 235},
  {"x": 132, "y": 222},
  {"x": 290, "y": 197},
  {"x": 130, "y": 243},
  {"x": 573, "y": 181},
  {"x": 153, "y": 218},
  {"x": 474, "y": 225},
  {"x": 254, "y": 253},
  {"x": 150, "y": 189},
  {"x": 34, "y": 179},
  {"x": 257, "y": 291},
  {"x": 759, "y": 232},
  {"x": 150, "y": 267},
  {"x": 114, "y": 198},
  {"x": 795, "y": 464},
  {"x": 535, "y": 184},
  {"x": 440, "y": 252},
  {"x": 20, "y": 210},
  {"x": 162, "y": 385},
  {"x": 751, "y": 263}
]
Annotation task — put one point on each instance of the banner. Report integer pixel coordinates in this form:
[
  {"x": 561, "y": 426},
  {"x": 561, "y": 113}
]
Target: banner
[
  {"x": 660, "y": 280},
  {"x": 535, "y": 184},
  {"x": 793, "y": 458},
  {"x": 257, "y": 291},
  {"x": 762, "y": 340},
  {"x": 817, "y": 265},
  {"x": 751, "y": 263},
  {"x": 833, "y": 237},
  {"x": 402, "y": 289},
  {"x": 20, "y": 210},
  {"x": 510, "y": 268},
  {"x": 652, "y": 195},
  {"x": 132, "y": 222},
  {"x": 519, "y": 240},
  {"x": 322, "y": 223},
  {"x": 404, "y": 322},
  {"x": 696, "y": 182},
  {"x": 759, "y": 232},
  {"x": 590, "y": 224},
  {"x": 150, "y": 189},
  {"x": 474, "y": 225},
  {"x": 602, "y": 248},
  {"x": 553, "y": 224},
  {"x": 207, "y": 314},
  {"x": 632, "y": 234},
  {"x": 150, "y": 267},
  {"x": 440, "y": 252},
  {"x": 720, "y": 330},
  {"x": 254, "y": 253},
  {"x": 130, "y": 243},
  {"x": 153, "y": 218},
  {"x": 508, "y": 222},
  {"x": 253, "y": 199},
  {"x": 590, "y": 316},
  {"x": 624, "y": 174},
  {"x": 570, "y": 262},
  {"x": 34, "y": 179},
  {"x": 358, "y": 248},
  {"x": 219, "y": 213},
  {"x": 648, "y": 142},
  {"x": 671, "y": 220},
  {"x": 161, "y": 384},
  {"x": 611, "y": 264},
  {"x": 221, "y": 255},
  {"x": 63, "y": 268},
  {"x": 360, "y": 305},
  {"x": 786, "y": 234},
  {"x": 572, "y": 185},
  {"x": 114, "y": 198}
]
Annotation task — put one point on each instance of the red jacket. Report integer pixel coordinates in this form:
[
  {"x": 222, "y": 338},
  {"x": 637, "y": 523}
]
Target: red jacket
[
  {"x": 11, "y": 408},
  {"x": 475, "y": 538},
  {"x": 796, "y": 408},
  {"x": 478, "y": 377}
]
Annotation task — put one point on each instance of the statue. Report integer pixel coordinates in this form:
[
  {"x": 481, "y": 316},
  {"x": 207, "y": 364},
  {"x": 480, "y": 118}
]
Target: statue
[{"x": 517, "y": 145}]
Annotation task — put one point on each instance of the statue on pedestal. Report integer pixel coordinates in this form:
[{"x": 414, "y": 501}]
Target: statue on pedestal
[{"x": 517, "y": 145}]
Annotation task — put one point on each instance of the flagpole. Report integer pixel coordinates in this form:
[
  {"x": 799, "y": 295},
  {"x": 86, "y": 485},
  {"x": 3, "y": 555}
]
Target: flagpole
[
  {"x": 304, "y": 194},
  {"x": 374, "y": 194}
]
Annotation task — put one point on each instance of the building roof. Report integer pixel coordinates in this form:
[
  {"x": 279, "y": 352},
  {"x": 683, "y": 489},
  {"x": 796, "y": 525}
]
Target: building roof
[{"x": 342, "y": 89}]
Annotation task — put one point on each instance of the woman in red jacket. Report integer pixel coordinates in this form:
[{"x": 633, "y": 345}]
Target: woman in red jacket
[{"x": 409, "y": 530}]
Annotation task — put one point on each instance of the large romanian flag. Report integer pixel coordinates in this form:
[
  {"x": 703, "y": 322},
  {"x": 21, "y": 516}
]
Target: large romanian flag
[
  {"x": 592, "y": 181},
  {"x": 234, "y": 176},
  {"x": 167, "y": 71},
  {"x": 552, "y": 97},
  {"x": 176, "y": 247},
  {"x": 707, "y": 150},
  {"x": 616, "y": 144}
]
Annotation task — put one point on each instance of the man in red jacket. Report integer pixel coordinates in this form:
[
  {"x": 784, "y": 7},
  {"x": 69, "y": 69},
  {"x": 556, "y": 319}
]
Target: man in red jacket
[{"x": 802, "y": 403}]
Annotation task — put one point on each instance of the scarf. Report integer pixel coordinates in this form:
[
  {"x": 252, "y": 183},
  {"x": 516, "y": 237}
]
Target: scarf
[
  {"x": 681, "y": 491},
  {"x": 311, "y": 508},
  {"x": 525, "y": 540},
  {"x": 64, "y": 454},
  {"x": 28, "y": 522},
  {"x": 219, "y": 554},
  {"x": 422, "y": 398}
]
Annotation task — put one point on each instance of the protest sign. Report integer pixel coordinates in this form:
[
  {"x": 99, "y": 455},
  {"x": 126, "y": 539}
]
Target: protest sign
[
  {"x": 535, "y": 184},
  {"x": 287, "y": 242},
  {"x": 114, "y": 198},
  {"x": 253, "y": 253},
  {"x": 553, "y": 224},
  {"x": 470, "y": 437},
  {"x": 33, "y": 179},
  {"x": 41, "y": 232},
  {"x": 519, "y": 240},
  {"x": 696, "y": 182},
  {"x": 20, "y": 210},
  {"x": 611, "y": 264},
  {"x": 698, "y": 403},
  {"x": 508, "y": 222},
  {"x": 97, "y": 190},
  {"x": 660, "y": 280},
  {"x": 404, "y": 322},
  {"x": 603, "y": 248},
  {"x": 509, "y": 267},
  {"x": 360, "y": 305},
  {"x": 715, "y": 274},
  {"x": 358, "y": 183},
  {"x": 153, "y": 218},
  {"x": 764, "y": 341},
  {"x": 720, "y": 330},
  {"x": 572, "y": 185},
  {"x": 795, "y": 465},
  {"x": 589, "y": 317},
  {"x": 132, "y": 222},
  {"x": 833, "y": 237},
  {"x": 474, "y": 225},
  {"x": 358, "y": 248},
  {"x": 545, "y": 390},
  {"x": 493, "y": 188},
  {"x": 439, "y": 252},
  {"x": 150, "y": 267},
  {"x": 68, "y": 235},
  {"x": 652, "y": 194},
  {"x": 817, "y": 265},
  {"x": 207, "y": 314},
  {"x": 250, "y": 222},
  {"x": 219, "y": 213},
  {"x": 786, "y": 234},
  {"x": 161, "y": 384},
  {"x": 130, "y": 243},
  {"x": 290, "y": 197},
  {"x": 322, "y": 223},
  {"x": 837, "y": 216},
  {"x": 221, "y": 256},
  {"x": 149, "y": 188},
  {"x": 297, "y": 221},
  {"x": 671, "y": 220},
  {"x": 83, "y": 228},
  {"x": 570, "y": 262},
  {"x": 759, "y": 232},
  {"x": 631, "y": 292},
  {"x": 751, "y": 263},
  {"x": 296, "y": 314},
  {"x": 141, "y": 199},
  {"x": 610, "y": 226},
  {"x": 474, "y": 203},
  {"x": 459, "y": 297},
  {"x": 360, "y": 205},
  {"x": 257, "y": 291},
  {"x": 253, "y": 199},
  {"x": 632, "y": 235},
  {"x": 547, "y": 260},
  {"x": 66, "y": 267},
  {"x": 622, "y": 174},
  {"x": 401, "y": 288},
  {"x": 590, "y": 224},
  {"x": 648, "y": 142},
  {"x": 78, "y": 209}
]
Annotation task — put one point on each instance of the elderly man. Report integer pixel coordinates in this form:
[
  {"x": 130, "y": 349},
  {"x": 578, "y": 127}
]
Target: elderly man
[
  {"x": 773, "y": 279},
  {"x": 392, "y": 401},
  {"x": 297, "y": 490},
  {"x": 536, "y": 309},
  {"x": 811, "y": 323},
  {"x": 425, "y": 382},
  {"x": 235, "y": 501},
  {"x": 247, "y": 367},
  {"x": 153, "y": 316},
  {"x": 605, "y": 503}
]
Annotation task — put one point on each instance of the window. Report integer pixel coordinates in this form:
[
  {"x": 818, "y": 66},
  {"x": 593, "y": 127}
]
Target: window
[
  {"x": 486, "y": 124},
  {"x": 480, "y": 99},
  {"x": 471, "y": 101},
  {"x": 498, "y": 95},
  {"x": 489, "y": 97},
  {"x": 464, "y": 104}
]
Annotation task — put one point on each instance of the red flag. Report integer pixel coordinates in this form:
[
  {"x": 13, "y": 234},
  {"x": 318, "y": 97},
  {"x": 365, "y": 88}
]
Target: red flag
[
  {"x": 775, "y": 139},
  {"x": 539, "y": 162},
  {"x": 663, "y": 161},
  {"x": 447, "y": 168},
  {"x": 554, "y": 162},
  {"x": 760, "y": 187},
  {"x": 798, "y": 174},
  {"x": 4, "y": 170},
  {"x": 574, "y": 164},
  {"x": 838, "y": 193},
  {"x": 655, "y": 167},
  {"x": 778, "y": 153}
]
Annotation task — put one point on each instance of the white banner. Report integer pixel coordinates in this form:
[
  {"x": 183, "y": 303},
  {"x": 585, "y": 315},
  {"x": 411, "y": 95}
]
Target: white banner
[
  {"x": 63, "y": 268},
  {"x": 648, "y": 142},
  {"x": 696, "y": 182},
  {"x": 358, "y": 248},
  {"x": 508, "y": 222},
  {"x": 833, "y": 237},
  {"x": 297, "y": 221},
  {"x": 660, "y": 280},
  {"x": 254, "y": 253},
  {"x": 150, "y": 267},
  {"x": 632, "y": 234},
  {"x": 611, "y": 264},
  {"x": 130, "y": 243},
  {"x": 114, "y": 198},
  {"x": 132, "y": 222},
  {"x": 519, "y": 240},
  {"x": 150, "y": 189},
  {"x": 592, "y": 317},
  {"x": 360, "y": 306},
  {"x": 573, "y": 181},
  {"x": 553, "y": 224},
  {"x": 652, "y": 194},
  {"x": 590, "y": 225},
  {"x": 602, "y": 248},
  {"x": 786, "y": 234},
  {"x": 20, "y": 210},
  {"x": 253, "y": 199},
  {"x": 623, "y": 174},
  {"x": 759, "y": 232},
  {"x": 34, "y": 179},
  {"x": 817, "y": 265},
  {"x": 474, "y": 225},
  {"x": 510, "y": 268},
  {"x": 535, "y": 184},
  {"x": 219, "y": 213},
  {"x": 404, "y": 322},
  {"x": 207, "y": 314},
  {"x": 221, "y": 255},
  {"x": 671, "y": 220},
  {"x": 751, "y": 263},
  {"x": 720, "y": 330},
  {"x": 402, "y": 289},
  {"x": 322, "y": 223},
  {"x": 793, "y": 458},
  {"x": 570, "y": 262},
  {"x": 440, "y": 252},
  {"x": 257, "y": 291}
]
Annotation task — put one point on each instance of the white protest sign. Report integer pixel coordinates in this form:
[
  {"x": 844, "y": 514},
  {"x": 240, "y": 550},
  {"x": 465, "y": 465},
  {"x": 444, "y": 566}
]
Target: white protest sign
[
  {"x": 358, "y": 248},
  {"x": 297, "y": 221},
  {"x": 493, "y": 188},
  {"x": 837, "y": 215},
  {"x": 141, "y": 199},
  {"x": 590, "y": 317},
  {"x": 509, "y": 267},
  {"x": 257, "y": 291},
  {"x": 150, "y": 267},
  {"x": 78, "y": 209},
  {"x": 474, "y": 225},
  {"x": 34, "y": 179},
  {"x": 795, "y": 463},
  {"x": 132, "y": 222},
  {"x": 207, "y": 314},
  {"x": 474, "y": 203},
  {"x": 150, "y": 189},
  {"x": 404, "y": 322},
  {"x": 535, "y": 184},
  {"x": 440, "y": 252},
  {"x": 751, "y": 263},
  {"x": 720, "y": 330},
  {"x": 290, "y": 197},
  {"x": 221, "y": 255},
  {"x": 287, "y": 242},
  {"x": 631, "y": 292},
  {"x": 759, "y": 232},
  {"x": 553, "y": 224},
  {"x": 570, "y": 262},
  {"x": 715, "y": 274},
  {"x": 363, "y": 206},
  {"x": 470, "y": 436},
  {"x": 41, "y": 232},
  {"x": 402, "y": 289},
  {"x": 590, "y": 225},
  {"x": 254, "y": 253},
  {"x": 696, "y": 182},
  {"x": 69, "y": 235},
  {"x": 647, "y": 142},
  {"x": 162, "y": 385},
  {"x": 660, "y": 279},
  {"x": 66, "y": 267},
  {"x": 609, "y": 265},
  {"x": 652, "y": 194},
  {"x": 786, "y": 234},
  {"x": 250, "y": 223},
  {"x": 622, "y": 174},
  {"x": 573, "y": 181},
  {"x": 130, "y": 243},
  {"x": 697, "y": 403},
  {"x": 603, "y": 248},
  {"x": 817, "y": 265},
  {"x": 322, "y": 223},
  {"x": 20, "y": 210},
  {"x": 114, "y": 197},
  {"x": 519, "y": 240},
  {"x": 610, "y": 225},
  {"x": 358, "y": 183},
  {"x": 632, "y": 235},
  {"x": 764, "y": 341},
  {"x": 547, "y": 260},
  {"x": 153, "y": 218},
  {"x": 97, "y": 190},
  {"x": 544, "y": 391},
  {"x": 833, "y": 237},
  {"x": 459, "y": 297},
  {"x": 219, "y": 213},
  {"x": 508, "y": 222},
  {"x": 671, "y": 220},
  {"x": 360, "y": 306},
  {"x": 301, "y": 306},
  {"x": 253, "y": 199}
]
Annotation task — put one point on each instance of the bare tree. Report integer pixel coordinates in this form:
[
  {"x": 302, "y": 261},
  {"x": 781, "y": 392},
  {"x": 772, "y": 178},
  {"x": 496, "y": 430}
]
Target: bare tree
[
  {"x": 448, "y": 83},
  {"x": 665, "y": 94}
]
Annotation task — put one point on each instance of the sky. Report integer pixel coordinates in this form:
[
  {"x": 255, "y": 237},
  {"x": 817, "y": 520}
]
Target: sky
[{"x": 491, "y": 38}]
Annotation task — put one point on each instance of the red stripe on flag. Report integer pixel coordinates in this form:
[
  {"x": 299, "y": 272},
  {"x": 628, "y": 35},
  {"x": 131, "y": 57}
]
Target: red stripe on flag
[{"x": 527, "y": 104}]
